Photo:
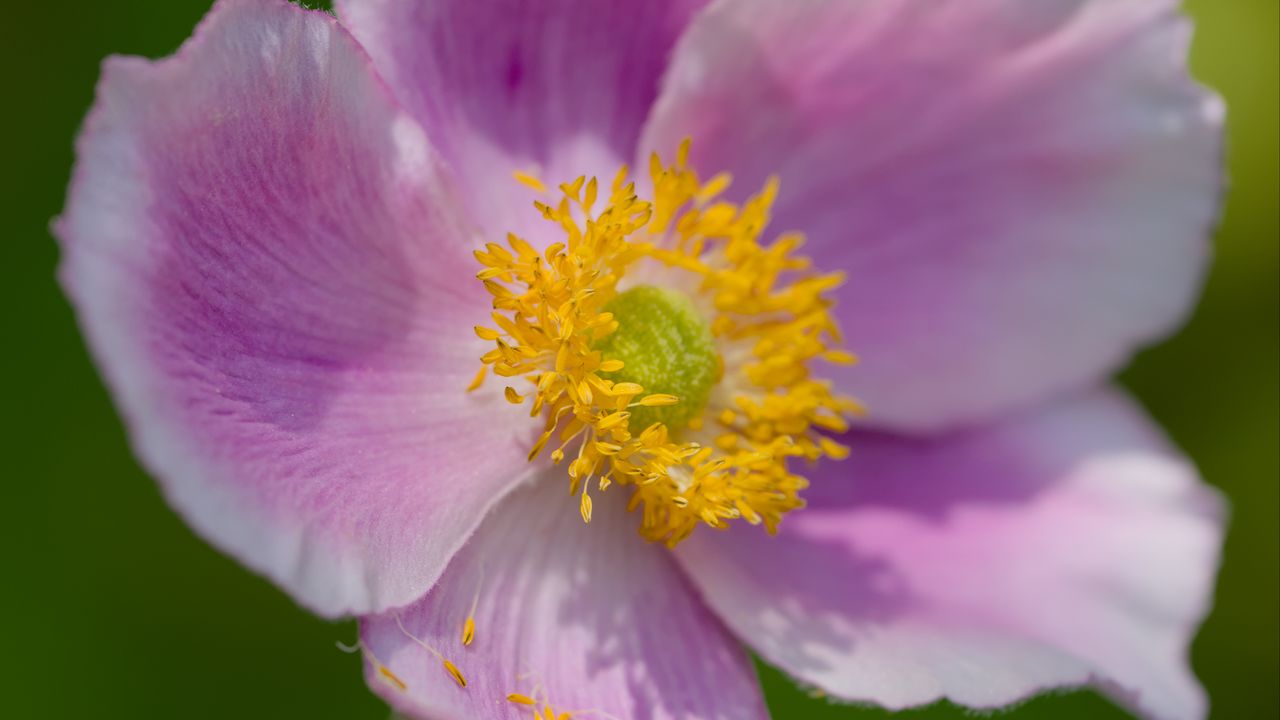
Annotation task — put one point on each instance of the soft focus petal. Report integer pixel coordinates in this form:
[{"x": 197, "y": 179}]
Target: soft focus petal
[
  {"x": 583, "y": 616},
  {"x": 1062, "y": 548},
  {"x": 272, "y": 278},
  {"x": 556, "y": 88},
  {"x": 1020, "y": 192}
]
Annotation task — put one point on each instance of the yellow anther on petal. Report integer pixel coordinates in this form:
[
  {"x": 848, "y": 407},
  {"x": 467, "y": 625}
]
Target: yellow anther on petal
[
  {"x": 383, "y": 671},
  {"x": 454, "y": 672},
  {"x": 693, "y": 385},
  {"x": 529, "y": 181},
  {"x": 449, "y": 667},
  {"x": 469, "y": 631},
  {"x": 539, "y": 702},
  {"x": 392, "y": 678},
  {"x": 478, "y": 380},
  {"x": 537, "y": 446},
  {"x": 834, "y": 449},
  {"x": 469, "y": 625},
  {"x": 839, "y": 357}
]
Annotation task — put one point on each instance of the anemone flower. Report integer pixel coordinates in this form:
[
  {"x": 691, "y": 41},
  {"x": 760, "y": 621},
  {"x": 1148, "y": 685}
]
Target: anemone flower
[{"x": 372, "y": 293}]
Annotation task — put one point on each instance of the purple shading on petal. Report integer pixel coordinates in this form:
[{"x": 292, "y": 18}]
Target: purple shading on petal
[
  {"x": 583, "y": 616},
  {"x": 1020, "y": 192},
  {"x": 1064, "y": 547},
  {"x": 272, "y": 274},
  {"x": 558, "y": 88}
]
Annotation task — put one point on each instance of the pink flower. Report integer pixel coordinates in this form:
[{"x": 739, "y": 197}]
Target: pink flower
[{"x": 269, "y": 243}]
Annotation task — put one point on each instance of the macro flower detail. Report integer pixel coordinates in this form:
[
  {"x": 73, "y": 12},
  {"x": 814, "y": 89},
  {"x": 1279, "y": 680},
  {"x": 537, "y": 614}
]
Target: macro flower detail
[
  {"x": 365, "y": 348},
  {"x": 633, "y": 375}
]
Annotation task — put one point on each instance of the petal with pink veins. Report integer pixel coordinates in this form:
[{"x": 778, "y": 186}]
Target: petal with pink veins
[
  {"x": 1020, "y": 192},
  {"x": 271, "y": 273},
  {"x": 583, "y": 616},
  {"x": 1066, "y": 547},
  {"x": 556, "y": 88}
]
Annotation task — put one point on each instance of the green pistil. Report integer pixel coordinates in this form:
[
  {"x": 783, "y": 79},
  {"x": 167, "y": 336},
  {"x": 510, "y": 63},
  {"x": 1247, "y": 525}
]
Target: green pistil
[{"x": 666, "y": 347}]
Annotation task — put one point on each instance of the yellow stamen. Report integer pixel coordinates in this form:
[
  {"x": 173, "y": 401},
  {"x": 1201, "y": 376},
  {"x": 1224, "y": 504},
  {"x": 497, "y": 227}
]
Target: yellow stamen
[
  {"x": 469, "y": 631},
  {"x": 392, "y": 678},
  {"x": 769, "y": 317},
  {"x": 543, "y": 709},
  {"x": 657, "y": 400},
  {"x": 479, "y": 378},
  {"x": 454, "y": 672},
  {"x": 530, "y": 181},
  {"x": 449, "y": 667},
  {"x": 469, "y": 626},
  {"x": 383, "y": 671}
]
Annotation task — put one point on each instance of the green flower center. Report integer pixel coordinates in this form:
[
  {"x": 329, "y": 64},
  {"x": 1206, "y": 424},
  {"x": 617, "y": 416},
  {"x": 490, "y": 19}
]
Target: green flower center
[{"x": 666, "y": 347}]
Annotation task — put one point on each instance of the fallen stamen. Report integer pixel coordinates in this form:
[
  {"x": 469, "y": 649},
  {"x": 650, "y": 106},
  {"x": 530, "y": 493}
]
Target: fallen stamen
[
  {"x": 469, "y": 626},
  {"x": 449, "y": 667},
  {"x": 384, "y": 672}
]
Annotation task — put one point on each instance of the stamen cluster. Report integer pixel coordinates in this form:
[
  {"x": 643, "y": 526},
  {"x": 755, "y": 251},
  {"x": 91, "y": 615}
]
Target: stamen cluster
[{"x": 770, "y": 317}]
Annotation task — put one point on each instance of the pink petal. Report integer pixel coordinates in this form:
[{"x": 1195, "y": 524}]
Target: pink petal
[
  {"x": 1062, "y": 548},
  {"x": 556, "y": 88},
  {"x": 1020, "y": 192},
  {"x": 269, "y": 270},
  {"x": 583, "y": 616}
]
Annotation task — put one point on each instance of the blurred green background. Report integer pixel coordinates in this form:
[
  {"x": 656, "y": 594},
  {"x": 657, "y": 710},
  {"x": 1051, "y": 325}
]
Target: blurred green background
[{"x": 115, "y": 610}]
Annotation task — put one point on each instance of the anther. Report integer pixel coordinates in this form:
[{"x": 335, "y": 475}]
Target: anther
[
  {"x": 449, "y": 667},
  {"x": 383, "y": 671}
]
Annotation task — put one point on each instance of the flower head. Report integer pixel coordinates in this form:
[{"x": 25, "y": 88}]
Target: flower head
[{"x": 271, "y": 242}]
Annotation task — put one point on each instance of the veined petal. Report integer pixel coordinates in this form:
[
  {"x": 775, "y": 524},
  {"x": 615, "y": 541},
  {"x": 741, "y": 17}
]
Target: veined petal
[
  {"x": 1062, "y": 548},
  {"x": 1020, "y": 192},
  {"x": 555, "y": 89},
  {"x": 579, "y": 616},
  {"x": 270, "y": 272}
]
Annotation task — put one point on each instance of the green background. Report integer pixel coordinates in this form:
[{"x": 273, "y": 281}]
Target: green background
[{"x": 112, "y": 608}]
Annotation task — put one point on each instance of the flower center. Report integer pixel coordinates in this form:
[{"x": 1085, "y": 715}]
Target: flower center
[
  {"x": 702, "y": 414},
  {"x": 665, "y": 347}
]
